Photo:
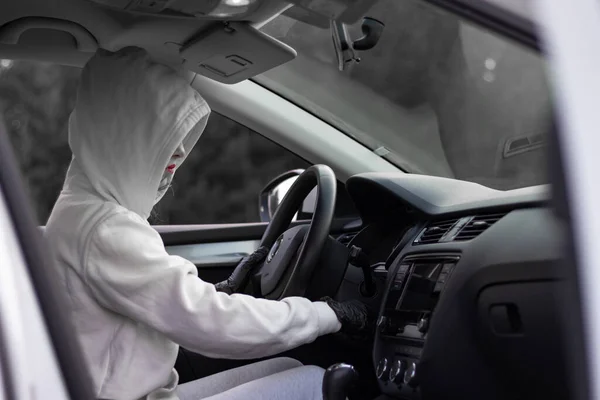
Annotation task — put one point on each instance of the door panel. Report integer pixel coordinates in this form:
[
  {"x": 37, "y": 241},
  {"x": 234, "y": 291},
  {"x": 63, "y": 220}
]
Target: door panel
[
  {"x": 208, "y": 255},
  {"x": 215, "y": 261},
  {"x": 214, "y": 249},
  {"x": 194, "y": 234},
  {"x": 173, "y": 235}
]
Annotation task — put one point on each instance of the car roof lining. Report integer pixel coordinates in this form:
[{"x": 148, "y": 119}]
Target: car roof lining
[
  {"x": 48, "y": 32},
  {"x": 114, "y": 29},
  {"x": 110, "y": 29}
]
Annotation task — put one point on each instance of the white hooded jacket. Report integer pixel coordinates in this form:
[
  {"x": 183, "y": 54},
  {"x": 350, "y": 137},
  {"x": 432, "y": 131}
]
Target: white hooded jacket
[{"x": 131, "y": 302}]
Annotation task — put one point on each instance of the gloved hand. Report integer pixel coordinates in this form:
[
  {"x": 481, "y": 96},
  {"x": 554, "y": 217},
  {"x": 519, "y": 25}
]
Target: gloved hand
[
  {"x": 240, "y": 276},
  {"x": 353, "y": 315}
]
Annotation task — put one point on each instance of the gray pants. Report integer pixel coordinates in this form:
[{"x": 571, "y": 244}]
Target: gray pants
[{"x": 274, "y": 379}]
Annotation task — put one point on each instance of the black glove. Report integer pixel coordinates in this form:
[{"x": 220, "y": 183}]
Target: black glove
[
  {"x": 240, "y": 276},
  {"x": 353, "y": 315}
]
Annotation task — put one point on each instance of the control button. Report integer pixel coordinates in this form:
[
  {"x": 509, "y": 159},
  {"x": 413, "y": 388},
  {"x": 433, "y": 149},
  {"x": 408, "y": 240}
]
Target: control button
[
  {"x": 423, "y": 325},
  {"x": 438, "y": 287},
  {"x": 447, "y": 268},
  {"x": 442, "y": 277},
  {"x": 410, "y": 376},
  {"x": 382, "y": 369},
  {"x": 397, "y": 372},
  {"x": 403, "y": 268}
]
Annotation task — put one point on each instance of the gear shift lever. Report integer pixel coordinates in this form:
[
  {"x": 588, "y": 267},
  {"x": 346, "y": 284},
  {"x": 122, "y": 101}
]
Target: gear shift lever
[{"x": 337, "y": 381}]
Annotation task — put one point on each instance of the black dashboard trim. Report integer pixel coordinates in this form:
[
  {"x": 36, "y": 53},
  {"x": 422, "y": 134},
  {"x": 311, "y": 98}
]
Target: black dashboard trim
[{"x": 376, "y": 194}]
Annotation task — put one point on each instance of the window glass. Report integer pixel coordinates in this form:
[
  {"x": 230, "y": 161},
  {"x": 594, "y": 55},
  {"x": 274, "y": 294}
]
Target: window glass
[
  {"x": 222, "y": 177},
  {"x": 437, "y": 95}
]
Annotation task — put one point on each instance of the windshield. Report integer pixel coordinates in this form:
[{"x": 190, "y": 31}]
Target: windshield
[{"x": 437, "y": 95}]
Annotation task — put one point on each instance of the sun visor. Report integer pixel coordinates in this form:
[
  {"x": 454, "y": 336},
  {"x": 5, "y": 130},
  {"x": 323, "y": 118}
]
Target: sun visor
[{"x": 235, "y": 51}]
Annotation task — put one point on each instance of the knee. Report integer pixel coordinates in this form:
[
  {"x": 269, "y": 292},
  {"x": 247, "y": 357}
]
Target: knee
[{"x": 312, "y": 372}]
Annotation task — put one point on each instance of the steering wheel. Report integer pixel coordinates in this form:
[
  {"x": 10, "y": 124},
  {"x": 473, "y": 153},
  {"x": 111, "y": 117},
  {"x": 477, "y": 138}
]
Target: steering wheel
[{"x": 294, "y": 253}]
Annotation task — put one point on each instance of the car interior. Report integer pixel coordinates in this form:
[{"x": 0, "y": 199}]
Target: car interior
[{"x": 461, "y": 277}]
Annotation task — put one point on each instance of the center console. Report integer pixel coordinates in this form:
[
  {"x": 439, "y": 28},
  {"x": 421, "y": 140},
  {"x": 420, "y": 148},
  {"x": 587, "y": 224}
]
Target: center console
[{"x": 413, "y": 288}]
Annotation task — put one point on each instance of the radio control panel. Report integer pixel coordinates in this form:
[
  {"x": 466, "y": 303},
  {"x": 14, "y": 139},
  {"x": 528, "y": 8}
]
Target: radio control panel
[{"x": 402, "y": 326}]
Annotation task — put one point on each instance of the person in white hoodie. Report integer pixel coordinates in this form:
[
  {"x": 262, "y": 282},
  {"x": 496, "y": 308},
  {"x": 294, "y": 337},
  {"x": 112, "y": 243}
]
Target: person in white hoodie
[{"x": 132, "y": 304}]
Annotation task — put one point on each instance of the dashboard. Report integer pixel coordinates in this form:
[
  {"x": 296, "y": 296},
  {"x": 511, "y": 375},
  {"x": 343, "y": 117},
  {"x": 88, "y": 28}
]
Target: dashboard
[{"x": 470, "y": 282}]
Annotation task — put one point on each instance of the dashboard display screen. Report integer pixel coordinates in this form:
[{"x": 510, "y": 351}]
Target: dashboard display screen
[{"x": 420, "y": 294}]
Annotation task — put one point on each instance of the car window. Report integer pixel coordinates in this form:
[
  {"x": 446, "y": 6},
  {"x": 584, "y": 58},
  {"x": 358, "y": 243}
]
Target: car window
[
  {"x": 219, "y": 182},
  {"x": 437, "y": 95}
]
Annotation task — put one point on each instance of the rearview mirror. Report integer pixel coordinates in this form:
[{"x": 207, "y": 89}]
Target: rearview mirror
[{"x": 274, "y": 192}]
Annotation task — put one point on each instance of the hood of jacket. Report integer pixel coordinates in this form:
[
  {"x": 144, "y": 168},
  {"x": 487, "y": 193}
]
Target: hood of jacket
[{"x": 130, "y": 116}]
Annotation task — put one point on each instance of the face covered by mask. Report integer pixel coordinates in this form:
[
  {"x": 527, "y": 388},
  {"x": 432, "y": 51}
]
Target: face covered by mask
[{"x": 167, "y": 177}]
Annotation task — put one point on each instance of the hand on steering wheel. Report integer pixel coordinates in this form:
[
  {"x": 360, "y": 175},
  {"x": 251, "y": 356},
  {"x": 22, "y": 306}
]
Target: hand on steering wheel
[{"x": 241, "y": 274}]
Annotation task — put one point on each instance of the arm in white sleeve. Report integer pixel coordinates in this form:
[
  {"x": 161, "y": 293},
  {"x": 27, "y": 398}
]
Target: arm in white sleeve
[{"x": 129, "y": 272}]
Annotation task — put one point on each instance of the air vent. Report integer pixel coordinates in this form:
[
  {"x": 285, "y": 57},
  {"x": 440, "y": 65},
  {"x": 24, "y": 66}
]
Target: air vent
[
  {"x": 435, "y": 231},
  {"x": 476, "y": 226},
  {"x": 346, "y": 238}
]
